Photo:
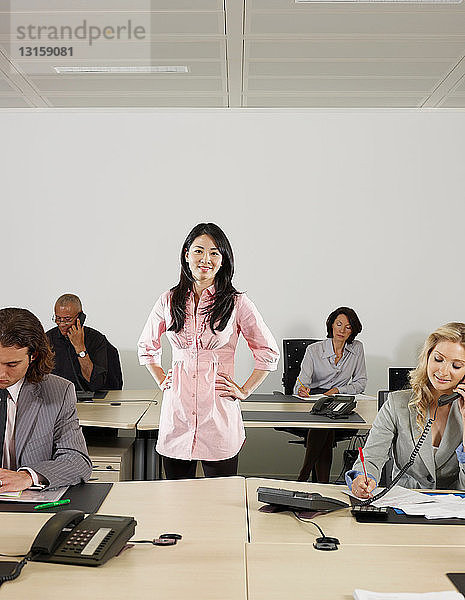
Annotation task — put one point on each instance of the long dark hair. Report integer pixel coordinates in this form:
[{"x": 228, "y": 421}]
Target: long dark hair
[
  {"x": 219, "y": 311},
  {"x": 352, "y": 317},
  {"x": 20, "y": 328}
]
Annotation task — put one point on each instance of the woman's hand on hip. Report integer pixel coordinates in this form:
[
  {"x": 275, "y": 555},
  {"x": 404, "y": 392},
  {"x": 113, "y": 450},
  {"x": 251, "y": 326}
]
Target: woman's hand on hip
[
  {"x": 229, "y": 388},
  {"x": 361, "y": 488},
  {"x": 166, "y": 383}
]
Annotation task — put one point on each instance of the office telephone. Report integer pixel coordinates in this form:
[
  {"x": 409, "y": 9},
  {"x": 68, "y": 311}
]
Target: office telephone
[
  {"x": 70, "y": 538},
  {"x": 334, "y": 407}
]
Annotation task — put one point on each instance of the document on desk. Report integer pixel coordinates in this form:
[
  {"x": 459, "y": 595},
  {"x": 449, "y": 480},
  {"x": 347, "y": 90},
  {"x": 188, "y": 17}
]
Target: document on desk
[
  {"x": 366, "y": 595},
  {"x": 36, "y": 496},
  {"x": 438, "y": 506}
]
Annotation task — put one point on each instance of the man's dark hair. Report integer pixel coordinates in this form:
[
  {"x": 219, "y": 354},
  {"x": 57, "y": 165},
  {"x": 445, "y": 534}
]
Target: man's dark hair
[
  {"x": 352, "y": 318},
  {"x": 21, "y": 329}
]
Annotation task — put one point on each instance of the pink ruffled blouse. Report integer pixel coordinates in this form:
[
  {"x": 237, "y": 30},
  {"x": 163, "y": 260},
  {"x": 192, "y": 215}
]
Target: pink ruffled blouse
[{"x": 196, "y": 423}]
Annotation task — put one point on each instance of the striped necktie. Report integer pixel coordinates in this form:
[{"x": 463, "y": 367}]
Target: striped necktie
[{"x": 3, "y": 397}]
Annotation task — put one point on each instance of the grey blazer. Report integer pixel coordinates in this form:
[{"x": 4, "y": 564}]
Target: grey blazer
[
  {"x": 48, "y": 437},
  {"x": 395, "y": 427}
]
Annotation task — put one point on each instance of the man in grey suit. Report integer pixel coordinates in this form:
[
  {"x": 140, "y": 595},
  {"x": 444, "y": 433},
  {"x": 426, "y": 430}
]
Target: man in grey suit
[{"x": 40, "y": 436}]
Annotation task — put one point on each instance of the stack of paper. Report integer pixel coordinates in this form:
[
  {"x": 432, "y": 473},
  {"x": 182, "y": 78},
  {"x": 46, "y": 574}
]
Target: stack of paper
[
  {"x": 366, "y": 595},
  {"x": 440, "y": 506}
]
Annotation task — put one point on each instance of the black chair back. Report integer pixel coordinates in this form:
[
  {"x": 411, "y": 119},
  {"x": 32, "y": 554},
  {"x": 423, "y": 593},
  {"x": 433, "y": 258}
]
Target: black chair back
[
  {"x": 114, "y": 379},
  {"x": 386, "y": 477},
  {"x": 293, "y": 352},
  {"x": 398, "y": 378}
]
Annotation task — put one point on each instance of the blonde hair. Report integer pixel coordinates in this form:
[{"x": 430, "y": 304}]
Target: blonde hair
[{"x": 422, "y": 395}]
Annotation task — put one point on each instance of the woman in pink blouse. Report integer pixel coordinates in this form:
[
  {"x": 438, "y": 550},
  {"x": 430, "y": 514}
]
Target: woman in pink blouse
[{"x": 202, "y": 317}]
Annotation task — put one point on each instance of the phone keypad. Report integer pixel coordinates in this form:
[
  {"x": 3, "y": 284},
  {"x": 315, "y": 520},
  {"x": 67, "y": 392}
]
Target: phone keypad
[{"x": 79, "y": 539}]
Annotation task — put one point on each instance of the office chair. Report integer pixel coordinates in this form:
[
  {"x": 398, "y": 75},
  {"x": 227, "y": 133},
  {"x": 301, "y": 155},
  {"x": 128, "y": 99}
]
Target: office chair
[
  {"x": 386, "y": 473},
  {"x": 399, "y": 378},
  {"x": 114, "y": 380},
  {"x": 293, "y": 353}
]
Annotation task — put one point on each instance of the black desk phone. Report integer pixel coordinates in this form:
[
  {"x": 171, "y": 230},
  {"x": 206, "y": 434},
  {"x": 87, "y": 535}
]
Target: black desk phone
[
  {"x": 70, "y": 538},
  {"x": 334, "y": 407}
]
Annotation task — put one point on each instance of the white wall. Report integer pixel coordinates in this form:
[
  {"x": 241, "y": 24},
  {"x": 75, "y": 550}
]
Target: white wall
[{"x": 323, "y": 208}]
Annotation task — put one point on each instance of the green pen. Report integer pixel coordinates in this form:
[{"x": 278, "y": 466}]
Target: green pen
[{"x": 52, "y": 504}]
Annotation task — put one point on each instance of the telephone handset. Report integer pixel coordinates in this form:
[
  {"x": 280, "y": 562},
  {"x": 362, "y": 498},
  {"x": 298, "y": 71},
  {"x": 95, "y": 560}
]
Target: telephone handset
[
  {"x": 449, "y": 398},
  {"x": 334, "y": 407},
  {"x": 82, "y": 317},
  {"x": 70, "y": 538}
]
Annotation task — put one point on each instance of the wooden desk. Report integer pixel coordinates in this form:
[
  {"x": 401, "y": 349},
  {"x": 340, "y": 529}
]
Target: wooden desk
[
  {"x": 277, "y": 571},
  {"x": 132, "y": 396},
  {"x": 102, "y": 414},
  {"x": 214, "y": 558},
  {"x": 148, "y": 425},
  {"x": 126, "y": 415},
  {"x": 208, "y": 564},
  {"x": 367, "y": 408},
  {"x": 285, "y": 528}
]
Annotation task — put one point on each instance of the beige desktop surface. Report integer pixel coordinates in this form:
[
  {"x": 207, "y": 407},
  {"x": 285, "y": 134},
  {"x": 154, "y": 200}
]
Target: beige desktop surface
[
  {"x": 285, "y": 571},
  {"x": 151, "y": 419},
  {"x": 207, "y": 564},
  {"x": 132, "y": 395},
  {"x": 366, "y": 408},
  {"x": 203, "y": 509},
  {"x": 284, "y": 527},
  {"x": 104, "y": 414},
  {"x": 192, "y": 569}
]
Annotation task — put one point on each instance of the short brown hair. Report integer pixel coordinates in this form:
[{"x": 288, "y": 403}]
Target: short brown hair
[{"x": 20, "y": 328}]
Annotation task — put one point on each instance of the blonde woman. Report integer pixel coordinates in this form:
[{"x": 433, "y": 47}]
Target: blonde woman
[{"x": 398, "y": 425}]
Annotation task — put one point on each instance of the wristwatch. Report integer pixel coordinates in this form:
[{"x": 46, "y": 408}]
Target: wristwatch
[{"x": 82, "y": 354}]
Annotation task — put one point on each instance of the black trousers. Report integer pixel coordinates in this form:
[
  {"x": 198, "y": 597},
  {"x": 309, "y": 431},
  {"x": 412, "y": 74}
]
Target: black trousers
[{"x": 175, "y": 468}]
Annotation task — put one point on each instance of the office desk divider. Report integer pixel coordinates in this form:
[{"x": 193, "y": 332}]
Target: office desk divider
[{"x": 87, "y": 497}]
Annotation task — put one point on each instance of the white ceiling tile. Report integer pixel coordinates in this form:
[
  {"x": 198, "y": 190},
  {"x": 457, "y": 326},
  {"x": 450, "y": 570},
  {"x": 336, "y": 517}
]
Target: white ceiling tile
[
  {"x": 343, "y": 84},
  {"x": 12, "y": 102},
  {"x": 109, "y": 5},
  {"x": 5, "y": 86},
  {"x": 461, "y": 86},
  {"x": 145, "y": 101},
  {"x": 343, "y": 101},
  {"x": 454, "y": 102},
  {"x": 362, "y": 22},
  {"x": 127, "y": 83},
  {"x": 207, "y": 23},
  {"x": 349, "y": 68},
  {"x": 356, "y": 48}
]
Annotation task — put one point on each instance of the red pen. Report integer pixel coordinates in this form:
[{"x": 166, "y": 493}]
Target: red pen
[{"x": 360, "y": 451}]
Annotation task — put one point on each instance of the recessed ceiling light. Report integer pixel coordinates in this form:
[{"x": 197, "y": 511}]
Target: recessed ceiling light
[{"x": 101, "y": 69}]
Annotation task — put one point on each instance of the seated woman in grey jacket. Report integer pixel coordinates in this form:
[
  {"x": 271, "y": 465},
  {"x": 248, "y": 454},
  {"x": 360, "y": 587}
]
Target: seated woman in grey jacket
[
  {"x": 333, "y": 366},
  {"x": 398, "y": 425}
]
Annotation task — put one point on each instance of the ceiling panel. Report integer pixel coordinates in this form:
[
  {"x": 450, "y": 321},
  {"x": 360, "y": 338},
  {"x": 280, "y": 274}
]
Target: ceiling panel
[
  {"x": 337, "y": 21},
  {"x": 13, "y": 102},
  {"x": 127, "y": 83},
  {"x": 141, "y": 101},
  {"x": 347, "y": 84},
  {"x": 452, "y": 49},
  {"x": 343, "y": 101},
  {"x": 5, "y": 86},
  {"x": 248, "y": 53}
]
